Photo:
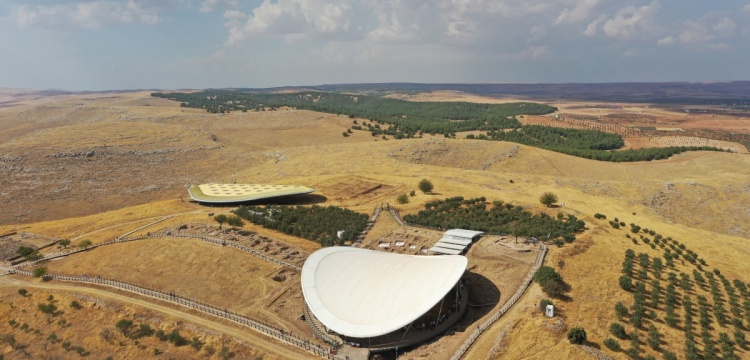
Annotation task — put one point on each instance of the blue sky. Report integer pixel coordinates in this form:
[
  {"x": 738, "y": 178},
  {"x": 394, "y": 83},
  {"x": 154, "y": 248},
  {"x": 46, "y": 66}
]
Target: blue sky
[{"x": 172, "y": 44}]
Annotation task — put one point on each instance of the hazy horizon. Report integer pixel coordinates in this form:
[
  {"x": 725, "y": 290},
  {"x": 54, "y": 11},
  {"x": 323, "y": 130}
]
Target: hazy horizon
[{"x": 197, "y": 44}]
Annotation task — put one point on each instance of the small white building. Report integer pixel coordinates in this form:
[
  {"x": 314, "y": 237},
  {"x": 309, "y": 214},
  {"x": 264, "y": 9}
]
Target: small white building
[{"x": 455, "y": 241}]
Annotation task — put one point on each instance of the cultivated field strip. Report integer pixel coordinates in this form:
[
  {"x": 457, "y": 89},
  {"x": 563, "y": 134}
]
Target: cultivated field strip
[
  {"x": 257, "y": 325},
  {"x": 508, "y": 304},
  {"x": 624, "y": 131}
]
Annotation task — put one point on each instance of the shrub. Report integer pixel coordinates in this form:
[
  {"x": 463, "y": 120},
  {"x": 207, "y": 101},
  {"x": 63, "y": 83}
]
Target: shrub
[
  {"x": 577, "y": 335},
  {"x": 39, "y": 272},
  {"x": 196, "y": 343},
  {"x": 668, "y": 355},
  {"x": 143, "y": 330},
  {"x": 600, "y": 216},
  {"x": 625, "y": 283},
  {"x": 22, "y": 292},
  {"x": 49, "y": 309},
  {"x": 175, "y": 338},
  {"x": 75, "y": 305},
  {"x": 633, "y": 353},
  {"x": 161, "y": 335},
  {"x": 621, "y": 310},
  {"x": 612, "y": 344},
  {"x": 402, "y": 199},
  {"x": 618, "y": 331},
  {"x": 84, "y": 244},
  {"x": 654, "y": 338},
  {"x": 124, "y": 326}
]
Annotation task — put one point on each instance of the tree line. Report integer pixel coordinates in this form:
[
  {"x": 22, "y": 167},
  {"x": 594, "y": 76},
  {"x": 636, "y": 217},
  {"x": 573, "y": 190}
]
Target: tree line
[
  {"x": 589, "y": 144},
  {"x": 405, "y": 119},
  {"x": 408, "y": 119},
  {"x": 317, "y": 223},
  {"x": 496, "y": 218}
]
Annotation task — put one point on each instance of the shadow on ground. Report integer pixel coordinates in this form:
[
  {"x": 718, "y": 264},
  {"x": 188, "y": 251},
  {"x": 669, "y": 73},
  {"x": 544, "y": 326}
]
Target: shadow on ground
[{"x": 483, "y": 297}]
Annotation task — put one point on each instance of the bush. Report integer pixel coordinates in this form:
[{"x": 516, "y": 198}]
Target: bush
[
  {"x": 600, "y": 216},
  {"x": 161, "y": 335},
  {"x": 143, "y": 330},
  {"x": 612, "y": 344},
  {"x": 124, "y": 326},
  {"x": 625, "y": 283},
  {"x": 84, "y": 244},
  {"x": 668, "y": 355},
  {"x": 175, "y": 338},
  {"x": 618, "y": 331},
  {"x": 75, "y": 305},
  {"x": 425, "y": 186},
  {"x": 39, "y": 271},
  {"x": 577, "y": 335},
  {"x": 49, "y": 309},
  {"x": 633, "y": 353},
  {"x": 551, "y": 282},
  {"x": 402, "y": 199},
  {"x": 621, "y": 310},
  {"x": 22, "y": 292}
]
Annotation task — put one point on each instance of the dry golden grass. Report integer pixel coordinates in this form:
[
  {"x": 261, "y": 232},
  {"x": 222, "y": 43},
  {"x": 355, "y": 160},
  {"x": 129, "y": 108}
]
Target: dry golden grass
[
  {"x": 92, "y": 327},
  {"x": 699, "y": 198}
]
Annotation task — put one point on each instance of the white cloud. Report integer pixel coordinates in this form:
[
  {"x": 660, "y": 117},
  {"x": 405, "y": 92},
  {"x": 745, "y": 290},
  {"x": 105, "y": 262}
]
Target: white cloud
[
  {"x": 725, "y": 27},
  {"x": 291, "y": 18},
  {"x": 593, "y": 27},
  {"x": 631, "y": 21},
  {"x": 86, "y": 15},
  {"x": 745, "y": 9},
  {"x": 666, "y": 41},
  {"x": 577, "y": 13}
]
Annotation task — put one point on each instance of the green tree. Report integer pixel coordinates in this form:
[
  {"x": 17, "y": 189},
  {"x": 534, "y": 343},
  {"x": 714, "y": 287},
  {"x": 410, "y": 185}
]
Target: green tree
[
  {"x": 577, "y": 335},
  {"x": 23, "y": 292},
  {"x": 612, "y": 344},
  {"x": 402, "y": 199},
  {"x": 64, "y": 243},
  {"x": 618, "y": 331},
  {"x": 39, "y": 271},
  {"x": 221, "y": 219},
  {"x": 235, "y": 221},
  {"x": 625, "y": 283},
  {"x": 548, "y": 199},
  {"x": 668, "y": 355},
  {"x": 654, "y": 338},
  {"x": 425, "y": 186},
  {"x": 84, "y": 244},
  {"x": 621, "y": 310}
]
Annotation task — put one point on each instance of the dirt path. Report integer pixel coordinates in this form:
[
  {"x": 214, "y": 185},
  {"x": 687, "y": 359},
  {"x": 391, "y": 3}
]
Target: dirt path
[
  {"x": 248, "y": 336},
  {"x": 137, "y": 220}
]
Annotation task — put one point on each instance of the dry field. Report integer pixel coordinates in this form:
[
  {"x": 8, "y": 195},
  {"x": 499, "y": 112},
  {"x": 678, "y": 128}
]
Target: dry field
[{"x": 146, "y": 151}]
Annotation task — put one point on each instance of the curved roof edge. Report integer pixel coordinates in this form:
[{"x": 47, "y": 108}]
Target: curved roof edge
[
  {"x": 454, "y": 265},
  {"x": 198, "y": 195}
]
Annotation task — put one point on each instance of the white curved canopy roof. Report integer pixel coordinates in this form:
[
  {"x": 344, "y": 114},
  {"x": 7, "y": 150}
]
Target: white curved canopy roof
[
  {"x": 365, "y": 293},
  {"x": 229, "y": 193}
]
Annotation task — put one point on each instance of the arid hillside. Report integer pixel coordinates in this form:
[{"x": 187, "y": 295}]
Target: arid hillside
[{"x": 95, "y": 166}]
